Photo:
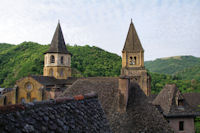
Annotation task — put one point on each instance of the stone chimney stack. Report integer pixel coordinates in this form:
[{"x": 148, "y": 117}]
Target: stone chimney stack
[{"x": 124, "y": 84}]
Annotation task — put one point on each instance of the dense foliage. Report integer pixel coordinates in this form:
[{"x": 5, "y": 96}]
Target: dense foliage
[
  {"x": 174, "y": 65},
  {"x": 17, "y": 61}
]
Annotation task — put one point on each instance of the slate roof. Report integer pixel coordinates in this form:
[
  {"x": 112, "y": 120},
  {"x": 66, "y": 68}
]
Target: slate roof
[
  {"x": 168, "y": 98},
  {"x": 139, "y": 117},
  {"x": 132, "y": 43},
  {"x": 82, "y": 113},
  {"x": 193, "y": 99},
  {"x": 49, "y": 80},
  {"x": 58, "y": 42}
]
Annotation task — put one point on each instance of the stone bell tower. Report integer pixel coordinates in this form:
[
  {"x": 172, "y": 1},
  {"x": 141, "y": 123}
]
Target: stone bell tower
[
  {"x": 57, "y": 60},
  {"x": 133, "y": 61}
]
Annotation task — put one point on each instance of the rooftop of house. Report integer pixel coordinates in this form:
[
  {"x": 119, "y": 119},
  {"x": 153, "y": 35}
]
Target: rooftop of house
[
  {"x": 173, "y": 103},
  {"x": 81, "y": 113},
  {"x": 193, "y": 99},
  {"x": 141, "y": 116}
]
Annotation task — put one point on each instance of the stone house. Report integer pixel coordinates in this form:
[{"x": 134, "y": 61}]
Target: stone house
[{"x": 175, "y": 109}]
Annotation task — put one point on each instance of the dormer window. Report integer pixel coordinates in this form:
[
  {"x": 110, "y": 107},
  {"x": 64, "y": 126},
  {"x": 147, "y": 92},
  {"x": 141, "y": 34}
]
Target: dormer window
[
  {"x": 180, "y": 102},
  {"x": 52, "y": 59},
  {"x": 61, "y": 60}
]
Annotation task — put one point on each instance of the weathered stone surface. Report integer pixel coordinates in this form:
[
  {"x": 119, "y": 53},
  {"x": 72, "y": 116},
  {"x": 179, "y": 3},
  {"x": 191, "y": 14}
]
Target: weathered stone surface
[{"x": 58, "y": 116}]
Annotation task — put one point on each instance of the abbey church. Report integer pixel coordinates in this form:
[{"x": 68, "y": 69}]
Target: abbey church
[
  {"x": 57, "y": 71},
  {"x": 126, "y": 100}
]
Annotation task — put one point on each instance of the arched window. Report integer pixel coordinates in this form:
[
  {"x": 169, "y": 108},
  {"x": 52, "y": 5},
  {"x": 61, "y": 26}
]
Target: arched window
[
  {"x": 135, "y": 60},
  {"x": 51, "y": 72},
  {"x": 61, "y": 60},
  {"x": 61, "y": 72},
  {"x": 5, "y": 100},
  {"x": 52, "y": 59},
  {"x": 23, "y": 100}
]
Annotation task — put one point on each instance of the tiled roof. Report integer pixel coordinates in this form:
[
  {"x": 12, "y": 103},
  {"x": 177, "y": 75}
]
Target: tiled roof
[
  {"x": 140, "y": 116},
  {"x": 48, "y": 80},
  {"x": 132, "y": 43},
  {"x": 193, "y": 99},
  {"x": 168, "y": 98},
  {"x": 82, "y": 113},
  {"x": 58, "y": 42}
]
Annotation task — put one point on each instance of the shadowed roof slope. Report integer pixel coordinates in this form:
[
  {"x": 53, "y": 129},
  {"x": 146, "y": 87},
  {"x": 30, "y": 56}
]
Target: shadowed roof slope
[
  {"x": 168, "y": 99},
  {"x": 132, "y": 43},
  {"x": 140, "y": 115},
  {"x": 58, "y": 42},
  {"x": 193, "y": 100},
  {"x": 80, "y": 114}
]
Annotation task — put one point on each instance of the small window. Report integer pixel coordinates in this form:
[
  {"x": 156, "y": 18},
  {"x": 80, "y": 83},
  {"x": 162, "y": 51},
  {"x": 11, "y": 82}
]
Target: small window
[
  {"x": 52, "y": 59},
  {"x": 51, "y": 72},
  {"x": 5, "y": 100},
  {"x": 180, "y": 102},
  {"x": 135, "y": 60},
  {"x": 28, "y": 95},
  {"x": 61, "y": 72},
  {"x": 181, "y": 125},
  {"x": 23, "y": 100},
  {"x": 61, "y": 60}
]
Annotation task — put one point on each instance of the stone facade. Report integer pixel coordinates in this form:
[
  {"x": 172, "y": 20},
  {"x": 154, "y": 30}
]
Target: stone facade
[
  {"x": 188, "y": 126},
  {"x": 28, "y": 90}
]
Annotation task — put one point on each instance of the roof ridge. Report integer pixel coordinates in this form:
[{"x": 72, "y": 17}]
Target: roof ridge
[{"x": 60, "y": 100}]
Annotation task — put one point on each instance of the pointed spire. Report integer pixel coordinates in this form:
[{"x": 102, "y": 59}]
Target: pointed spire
[
  {"x": 132, "y": 43},
  {"x": 58, "y": 42}
]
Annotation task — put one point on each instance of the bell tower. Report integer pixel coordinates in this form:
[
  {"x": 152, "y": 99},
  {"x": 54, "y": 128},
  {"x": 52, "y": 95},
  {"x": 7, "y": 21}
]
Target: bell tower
[
  {"x": 57, "y": 60},
  {"x": 133, "y": 61}
]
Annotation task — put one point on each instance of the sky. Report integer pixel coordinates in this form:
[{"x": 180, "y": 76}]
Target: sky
[{"x": 165, "y": 27}]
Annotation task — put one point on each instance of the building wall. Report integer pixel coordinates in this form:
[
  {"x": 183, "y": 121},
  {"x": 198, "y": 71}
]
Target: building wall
[
  {"x": 58, "y": 70},
  {"x": 8, "y": 98},
  {"x": 140, "y": 76},
  {"x": 188, "y": 124},
  {"x": 35, "y": 93}
]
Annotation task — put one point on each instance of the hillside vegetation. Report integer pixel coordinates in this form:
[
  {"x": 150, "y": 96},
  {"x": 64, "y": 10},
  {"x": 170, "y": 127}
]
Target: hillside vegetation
[
  {"x": 172, "y": 65},
  {"x": 17, "y": 61}
]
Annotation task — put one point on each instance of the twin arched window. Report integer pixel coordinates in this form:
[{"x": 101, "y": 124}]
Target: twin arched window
[
  {"x": 52, "y": 59},
  {"x": 61, "y": 60}
]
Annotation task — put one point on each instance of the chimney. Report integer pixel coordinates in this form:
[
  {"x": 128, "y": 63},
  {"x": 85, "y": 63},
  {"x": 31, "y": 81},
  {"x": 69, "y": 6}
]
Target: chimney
[{"x": 124, "y": 83}]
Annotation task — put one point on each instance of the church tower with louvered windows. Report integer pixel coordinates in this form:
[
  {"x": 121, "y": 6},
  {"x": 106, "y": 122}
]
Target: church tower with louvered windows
[
  {"x": 57, "y": 60},
  {"x": 133, "y": 61}
]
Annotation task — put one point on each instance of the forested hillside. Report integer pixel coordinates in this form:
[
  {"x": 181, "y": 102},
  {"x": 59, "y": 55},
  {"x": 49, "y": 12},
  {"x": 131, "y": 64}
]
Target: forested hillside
[
  {"x": 172, "y": 65},
  {"x": 17, "y": 61}
]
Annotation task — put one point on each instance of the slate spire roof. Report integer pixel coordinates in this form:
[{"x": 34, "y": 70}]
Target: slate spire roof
[
  {"x": 58, "y": 42},
  {"x": 132, "y": 43}
]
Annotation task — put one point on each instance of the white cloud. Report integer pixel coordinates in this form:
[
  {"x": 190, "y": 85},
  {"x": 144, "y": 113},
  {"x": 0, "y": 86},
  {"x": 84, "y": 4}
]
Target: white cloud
[{"x": 165, "y": 28}]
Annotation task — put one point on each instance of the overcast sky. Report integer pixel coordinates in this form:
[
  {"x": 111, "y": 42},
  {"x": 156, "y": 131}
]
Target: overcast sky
[{"x": 165, "y": 27}]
